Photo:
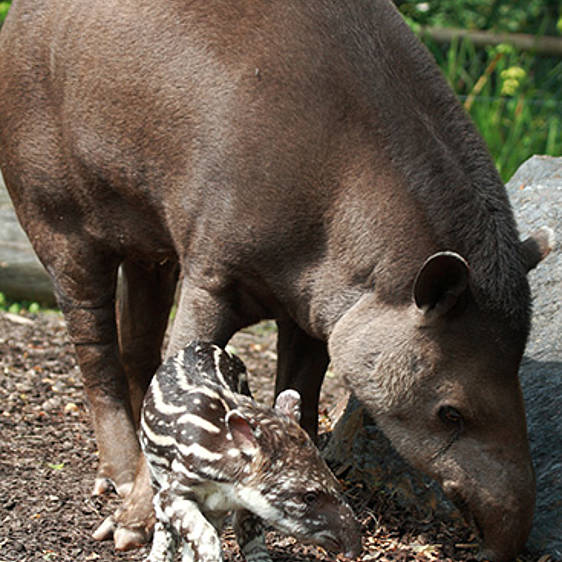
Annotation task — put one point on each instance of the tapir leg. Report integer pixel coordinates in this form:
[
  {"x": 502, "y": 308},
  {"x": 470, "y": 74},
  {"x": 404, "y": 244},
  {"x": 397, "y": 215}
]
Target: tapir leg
[
  {"x": 145, "y": 299},
  {"x": 84, "y": 277},
  {"x": 90, "y": 318},
  {"x": 205, "y": 315},
  {"x": 200, "y": 315},
  {"x": 301, "y": 364}
]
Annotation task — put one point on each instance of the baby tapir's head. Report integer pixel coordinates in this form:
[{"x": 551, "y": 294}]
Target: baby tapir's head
[{"x": 285, "y": 481}]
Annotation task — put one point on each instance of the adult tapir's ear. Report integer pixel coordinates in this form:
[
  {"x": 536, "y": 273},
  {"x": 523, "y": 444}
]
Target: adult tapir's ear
[
  {"x": 289, "y": 403},
  {"x": 440, "y": 283},
  {"x": 537, "y": 246},
  {"x": 242, "y": 433}
]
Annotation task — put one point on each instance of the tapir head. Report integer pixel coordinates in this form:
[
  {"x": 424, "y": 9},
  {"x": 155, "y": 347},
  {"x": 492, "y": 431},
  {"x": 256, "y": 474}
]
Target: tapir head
[{"x": 439, "y": 375}]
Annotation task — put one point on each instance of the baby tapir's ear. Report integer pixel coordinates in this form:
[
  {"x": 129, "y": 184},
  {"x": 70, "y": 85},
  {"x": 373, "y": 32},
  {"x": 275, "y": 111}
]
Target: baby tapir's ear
[
  {"x": 289, "y": 403},
  {"x": 242, "y": 433}
]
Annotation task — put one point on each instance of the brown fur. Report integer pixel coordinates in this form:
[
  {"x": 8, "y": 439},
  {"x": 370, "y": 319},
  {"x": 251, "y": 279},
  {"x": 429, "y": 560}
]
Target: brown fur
[{"x": 298, "y": 160}]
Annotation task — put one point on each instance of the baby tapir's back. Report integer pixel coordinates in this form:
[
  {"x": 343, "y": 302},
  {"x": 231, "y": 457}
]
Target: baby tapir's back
[{"x": 185, "y": 408}]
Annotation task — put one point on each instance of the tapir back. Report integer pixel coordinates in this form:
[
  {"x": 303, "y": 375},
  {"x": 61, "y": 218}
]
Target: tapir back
[
  {"x": 183, "y": 416},
  {"x": 309, "y": 137}
]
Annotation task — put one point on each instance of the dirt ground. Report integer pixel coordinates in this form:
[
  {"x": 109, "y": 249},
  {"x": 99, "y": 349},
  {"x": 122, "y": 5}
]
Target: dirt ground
[{"x": 48, "y": 460}]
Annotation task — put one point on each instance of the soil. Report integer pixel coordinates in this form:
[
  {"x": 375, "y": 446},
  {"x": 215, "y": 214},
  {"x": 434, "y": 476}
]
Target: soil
[{"x": 48, "y": 460}]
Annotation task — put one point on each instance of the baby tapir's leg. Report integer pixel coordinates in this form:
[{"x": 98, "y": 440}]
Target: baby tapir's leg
[
  {"x": 181, "y": 515},
  {"x": 164, "y": 543},
  {"x": 249, "y": 533}
]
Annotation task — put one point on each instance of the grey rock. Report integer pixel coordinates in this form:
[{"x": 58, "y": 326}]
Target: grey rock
[{"x": 535, "y": 192}]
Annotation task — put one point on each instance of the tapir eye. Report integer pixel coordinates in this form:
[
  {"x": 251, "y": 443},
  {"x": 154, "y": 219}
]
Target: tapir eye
[
  {"x": 451, "y": 416},
  {"x": 310, "y": 497}
]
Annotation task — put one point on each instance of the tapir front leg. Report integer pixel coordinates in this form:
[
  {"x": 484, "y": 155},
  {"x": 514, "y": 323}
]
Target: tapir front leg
[
  {"x": 164, "y": 543},
  {"x": 182, "y": 517},
  {"x": 205, "y": 314}
]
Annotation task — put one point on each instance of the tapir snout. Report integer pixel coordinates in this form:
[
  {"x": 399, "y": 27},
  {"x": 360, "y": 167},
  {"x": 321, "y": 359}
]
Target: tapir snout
[{"x": 502, "y": 510}]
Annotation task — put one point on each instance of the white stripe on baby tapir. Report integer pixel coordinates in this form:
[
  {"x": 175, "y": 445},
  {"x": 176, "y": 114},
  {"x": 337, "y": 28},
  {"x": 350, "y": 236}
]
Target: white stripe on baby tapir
[
  {"x": 255, "y": 501},
  {"x": 217, "y": 357},
  {"x": 208, "y": 392},
  {"x": 160, "y": 404},
  {"x": 178, "y": 466},
  {"x": 157, "y": 460},
  {"x": 198, "y": 451},
  {"x": 200, "y": 422},
  {"x": 160, "y": 440},
  {"x": 180, "y": 373}
]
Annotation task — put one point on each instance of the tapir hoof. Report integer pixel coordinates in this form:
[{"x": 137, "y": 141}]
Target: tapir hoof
[
  {"x": 124, "y": 538},
  {"x": 105, "y": 530},
  {"x": 132, "y": 524}
]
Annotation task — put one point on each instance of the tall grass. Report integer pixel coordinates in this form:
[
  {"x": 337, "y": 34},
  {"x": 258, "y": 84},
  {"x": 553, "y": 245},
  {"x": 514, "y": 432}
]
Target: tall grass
[{"x": 499, "y": 88}]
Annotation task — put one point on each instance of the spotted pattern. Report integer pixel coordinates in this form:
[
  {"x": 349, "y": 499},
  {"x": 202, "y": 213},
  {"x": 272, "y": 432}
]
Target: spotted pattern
[{"x": 203, "y": 467}]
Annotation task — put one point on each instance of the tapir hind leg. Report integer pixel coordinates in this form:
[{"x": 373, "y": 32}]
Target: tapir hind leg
[
  {"x": 84, "y": 275},
  {"x": 301, "y": 364},
  {"x": 145, "y": 299},
  {"x": 91, "y": 324},
  {"x": 203, "y": 315}
]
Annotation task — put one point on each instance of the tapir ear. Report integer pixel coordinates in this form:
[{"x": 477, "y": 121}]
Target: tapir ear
[
  {"x": 289, "y": 403},
  {"x": 242, "y": 433},
  {"x": 440, "y": 283},
  {"x": 537, "y": 246}
]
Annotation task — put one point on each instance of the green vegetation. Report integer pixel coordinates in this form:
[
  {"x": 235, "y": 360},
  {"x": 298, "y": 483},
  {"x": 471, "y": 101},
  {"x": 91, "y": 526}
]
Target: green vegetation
[
  {"x": 513, "y": 96},
  {"x": 514, "y": 99},
  {"x": 20, "y": 307},
  {"x": 4, "y": 7},
  {"x": 514, "y": 16}
]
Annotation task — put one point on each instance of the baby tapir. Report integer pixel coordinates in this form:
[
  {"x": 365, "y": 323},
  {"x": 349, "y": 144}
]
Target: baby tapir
[{"x": 211, "y": 450}]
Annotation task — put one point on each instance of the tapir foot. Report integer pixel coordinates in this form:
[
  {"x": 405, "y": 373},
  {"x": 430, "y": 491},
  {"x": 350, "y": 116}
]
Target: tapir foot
[
  {"x": 116, "y": 478},
  {"x": 132, "y": 524},
  {"x": 125, "y": 537}
]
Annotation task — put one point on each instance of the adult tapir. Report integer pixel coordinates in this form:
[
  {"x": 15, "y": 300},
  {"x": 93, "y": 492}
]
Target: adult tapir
[{"x": 298, "y": 160}]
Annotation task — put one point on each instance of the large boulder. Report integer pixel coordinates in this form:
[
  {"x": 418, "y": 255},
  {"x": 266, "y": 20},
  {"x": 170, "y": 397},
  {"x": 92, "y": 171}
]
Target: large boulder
[
  {"x": 357, "y": 445},
  {"x": 535, "y": 192}
]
